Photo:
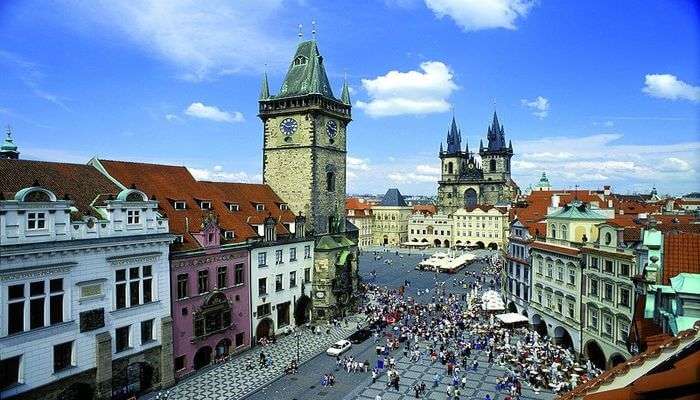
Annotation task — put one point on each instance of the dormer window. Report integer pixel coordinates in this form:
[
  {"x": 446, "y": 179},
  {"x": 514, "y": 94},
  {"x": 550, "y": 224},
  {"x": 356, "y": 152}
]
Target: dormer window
[
  {"x": 260, "y": 207},
  {"x": 284, "y": 207},
  {"x": 205, "y": 205},
  {"x": 133, "y": 217},
  {"x": 233, "y": 207},
  {"x": 179, "y": 205},
  {"x": 179, "y": 239},
  {"x": 301, "y": 60},
  {"x": 36, "y": 221},
  {"x": 228, "y": 235}
]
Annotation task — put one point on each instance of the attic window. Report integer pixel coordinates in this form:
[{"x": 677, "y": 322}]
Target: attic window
[
  {"x": 260, "y": 207},
  {"x": 301, "y": 60},
  {"x": 205, "y": 205},
  {"x": 179, "y": 239},
  {"x": 233, "y": 207},
  {"x": 180, "y": 205},
  {"x": 284, "y": 207},
  {"x": 228, "y": 235}
]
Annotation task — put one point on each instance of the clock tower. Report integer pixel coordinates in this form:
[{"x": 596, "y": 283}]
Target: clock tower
[{"x": 304, "y": 146}]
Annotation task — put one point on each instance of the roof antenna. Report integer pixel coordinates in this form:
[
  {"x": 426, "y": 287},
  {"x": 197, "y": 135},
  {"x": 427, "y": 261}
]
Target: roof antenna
[
  {"x": 313, "y": 30},
  {"x": 301, "y": 35}
]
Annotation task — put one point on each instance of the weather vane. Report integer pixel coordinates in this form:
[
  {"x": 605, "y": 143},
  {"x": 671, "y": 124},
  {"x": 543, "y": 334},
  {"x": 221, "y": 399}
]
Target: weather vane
[
  {"x": 301, "y": 35},
  {"x": 313, "y": 30}
]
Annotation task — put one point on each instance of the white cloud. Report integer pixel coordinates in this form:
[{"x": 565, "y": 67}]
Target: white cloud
[
  {"x": 539, "y": 106},
  {"x": 31, "y": 75},
  {"x": 172, "y": 118},
  {"x": 200, "y": 110},
  {"x": 472, "y": 15},
  {"x": 423, "y": 173},
  {"x": 204, "y": 38},
  {"x": 674, "y": 164},
  {"x": 357, "y": 164},
  {"x": 428, "y": 169},
  {"x": 413, "y": 92},
  {"x": 218, "y": 173},
  {"x": 667, "y": 86}
]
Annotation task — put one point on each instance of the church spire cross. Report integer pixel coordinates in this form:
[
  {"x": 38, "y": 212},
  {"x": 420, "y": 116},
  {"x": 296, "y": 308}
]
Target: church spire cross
[
  {"x": 313, "y": 30},
  {"x": 300, "y": 34}
]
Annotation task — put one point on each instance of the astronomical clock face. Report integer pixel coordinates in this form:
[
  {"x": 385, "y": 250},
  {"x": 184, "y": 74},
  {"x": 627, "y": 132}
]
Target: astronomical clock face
[
  {"x": 288, "y": 126},
  {"x": 331, "y": 128}
]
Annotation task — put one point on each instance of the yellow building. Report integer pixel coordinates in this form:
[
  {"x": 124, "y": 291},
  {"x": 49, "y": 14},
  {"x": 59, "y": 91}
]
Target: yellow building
[
  {"x": 390, "y": 219},
  {"x": 481, "y": 226}
]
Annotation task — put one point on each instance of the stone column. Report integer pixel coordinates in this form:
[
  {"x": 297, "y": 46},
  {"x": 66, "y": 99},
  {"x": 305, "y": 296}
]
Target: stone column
[
  {"x": 103, "y": 358},
  {"x": 167, "y": 374}
]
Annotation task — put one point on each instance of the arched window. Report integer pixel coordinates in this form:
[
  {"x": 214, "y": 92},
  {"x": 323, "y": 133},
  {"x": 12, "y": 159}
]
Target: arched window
[
  {"x": 563, "y": 232},
  {"x": 553, "y": 228},
  {"x": 450, "y": 167},
  {"x": 330, "y": 181},
  {"x": 492, "y": 165}
]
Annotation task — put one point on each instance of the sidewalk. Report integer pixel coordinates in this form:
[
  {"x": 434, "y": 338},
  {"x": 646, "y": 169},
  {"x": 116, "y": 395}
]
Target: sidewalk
[{"x": 231, "y": 380}]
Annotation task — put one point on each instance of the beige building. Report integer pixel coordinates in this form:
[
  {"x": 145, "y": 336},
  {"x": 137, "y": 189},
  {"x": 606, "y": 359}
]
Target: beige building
[
  {"x": 556, "y": 282},
  {"x": 435, "y": 229},
  {"x": 391, "y": 216},
  {"x": 359, "y": 213},
  {"x": 607, "y": 296},
  {"x": 482, "y": 226}
]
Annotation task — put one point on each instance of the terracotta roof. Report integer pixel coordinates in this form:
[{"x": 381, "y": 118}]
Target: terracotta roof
[
  {"x": 555, "y": 248},
  {"x": 425, "y": 209},
  {"x": 168, "y": 183},
  {"x": 679, "y": 373},
  {"x": 362, "y": 207},
  {"x": 82, "y": 183},
  {"x": 648, "y": 332},
  {"x": 486, "y": 207},
  {"x": 681, "y": 254}
]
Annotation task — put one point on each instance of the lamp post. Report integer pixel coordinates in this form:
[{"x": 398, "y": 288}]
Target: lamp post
[{"x": 296, "y": 335}]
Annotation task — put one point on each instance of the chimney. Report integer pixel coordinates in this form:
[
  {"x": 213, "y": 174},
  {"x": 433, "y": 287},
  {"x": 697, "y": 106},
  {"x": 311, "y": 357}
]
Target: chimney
[
  {"x": 299, "y": 226},
  {"x": 555, "y": 201},
  {"x": 606, "y": 190},
  {"x": 270, "y": 229}
]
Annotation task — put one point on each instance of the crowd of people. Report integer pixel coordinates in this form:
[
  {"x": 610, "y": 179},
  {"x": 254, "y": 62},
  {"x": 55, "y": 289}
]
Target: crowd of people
[{"x": 452, "y": 329}]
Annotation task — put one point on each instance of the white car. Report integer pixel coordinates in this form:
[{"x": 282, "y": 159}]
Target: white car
[{"x": 339, "y": 347}]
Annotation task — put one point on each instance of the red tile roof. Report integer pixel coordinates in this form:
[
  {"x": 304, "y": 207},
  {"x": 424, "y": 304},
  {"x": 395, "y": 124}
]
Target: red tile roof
[
  {"x": 359, "y": 206},
  {"x": 681, "y": 373},
  {"x": 169, "y": 183},
  {"x": 81, "y": 183},
  {"x": 425, "y": 209},
  {"x": 681, "y": 253}
]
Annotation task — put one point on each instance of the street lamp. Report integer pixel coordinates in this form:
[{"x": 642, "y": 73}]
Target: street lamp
[{"x": 296, "y": 335}]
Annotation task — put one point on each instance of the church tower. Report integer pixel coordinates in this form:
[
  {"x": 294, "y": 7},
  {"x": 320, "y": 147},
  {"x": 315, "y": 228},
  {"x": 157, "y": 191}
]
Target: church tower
[
  {"x": 495, "y": 157},
  {"x": 452, "y": 159},
  {"x": 8, "y": 149},
  {"x": 304, "y": 147}
]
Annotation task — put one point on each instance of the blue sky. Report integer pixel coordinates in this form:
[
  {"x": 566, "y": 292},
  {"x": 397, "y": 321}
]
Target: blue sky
[{"x": 593, "y": 92}]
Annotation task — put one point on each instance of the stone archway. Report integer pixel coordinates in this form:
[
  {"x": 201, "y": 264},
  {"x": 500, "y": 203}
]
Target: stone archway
[
  {"x": 264, "y": 329},
  {"x": 562, "y": 337},
  {"x": 538, "y": 325},
  {"x": 595, "y": 354},
  {"x": 202, "y": 357},
  {"x": 437, "y": 242},
  {"x": 616, "y": 359},
  {"x": 524, "y": 313},
  {"x": 223, "y": 348},
  {"x": 493, "y": 246},
  {"x": 480, "y": 245},
  {"x": 385, "y": 240},
  {"x": 470, "y": 198},
  {"x": 512, "y": 307},
  {"x": 302, "y": 310},
  {"x": 446, "y": 243}
]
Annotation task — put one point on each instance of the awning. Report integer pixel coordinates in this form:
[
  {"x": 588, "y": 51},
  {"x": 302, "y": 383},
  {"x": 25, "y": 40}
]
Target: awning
[{"x": 511, "y": 318}]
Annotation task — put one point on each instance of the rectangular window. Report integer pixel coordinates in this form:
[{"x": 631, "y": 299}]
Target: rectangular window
[
  {"x": 262, "y": 259},
  {"x": 624, "y": 297},
  {"x": 62, "y": 356},
  {"x": 572, "y": 277},
  {"x": 607, "y": 322},
  {"x": 228, "y": 235},
  {"x": 221, "y": 278},
  {"x": 550, "y": 270},
  {"x": 15, "y": 309},
  {"x": 262, "y": 286},
  {"x": 594, "y": 263},
  {"x": 560, "y": 274},
  {"x": 608, "y": 292},
  {"x": 278, "y": 283},
  {"x": 202, "y": 281},
  {"x": 609, "y": 266},
  {"x": 260, "y": 207},
  {"x": 278, "y": 256},
  {"x": 571, "y": 309},
  {"x": 293, "y": 254},
  {"x": 147, "y": 284},
  {"x": 594, "y": 288},
  {"x": 180, "y": 205},
  {"x": 133, "y": 217},
  {"x": 206, "y": 205},
  {"x": 625, "y": 269},
  {"x": 121, "y": 338},
  {"x": 146, "y": 331},
  {"x": 307, "y": 251},
  {"x": 238, "y": 274},
  {"x": 182, "y": 290},
  {"x": 179, "y": 363},
  {"x": 134, "y": 286},
  {"x": 539, "y": 297},
  {"x": 292, "y": 279},
  {"x": 36, "y": 221},
  {"x": 624, "y": 330},
  {"x": 239, "y": 340},
  {"x": 594, "y": 318},
  {"x": 560, "y": 305},
  {"x": 264, "y": 310},
  {"x": 307, "y": 275},
  {"x": 36, "y": 313},
  {"x": 233, "y": 207},
  {"x": 9, "y": 372}
]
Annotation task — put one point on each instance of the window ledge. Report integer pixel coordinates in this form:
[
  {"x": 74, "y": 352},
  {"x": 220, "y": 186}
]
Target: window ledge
[
  {"x": 263, "y": 294},
  {"x": 125, "y": 310},
  {"x": 262, "y": 265},
  {"x": 66, "y": 371}
]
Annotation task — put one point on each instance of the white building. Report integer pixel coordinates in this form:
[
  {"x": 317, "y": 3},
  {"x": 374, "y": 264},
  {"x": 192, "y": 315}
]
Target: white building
[
  {"x": 518, "y": 270},
  {"x": 84, "y": 285},
  {"x": 281, "y": 271}
]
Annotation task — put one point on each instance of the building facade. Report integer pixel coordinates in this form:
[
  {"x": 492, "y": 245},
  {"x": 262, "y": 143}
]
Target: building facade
[
  {"x": 304, "y": 162},
  {"x": 359, "y": 213},
  {"x": 391, "y": 217},
  {"x": 432, "y": 229},
  {"x": 466, "y": 182},
  {"x": 608, "y": 296},
  {"x": 84, "y": 285},
  {"x": 557, "y": 279},
  {"x": 517, "y": 287}
]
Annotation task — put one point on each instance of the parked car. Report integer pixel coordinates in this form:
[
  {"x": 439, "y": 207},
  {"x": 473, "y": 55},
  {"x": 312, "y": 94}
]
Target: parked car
[
  {"x": 360, "y": 336},
  {"x": 339, "y": 347}
]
